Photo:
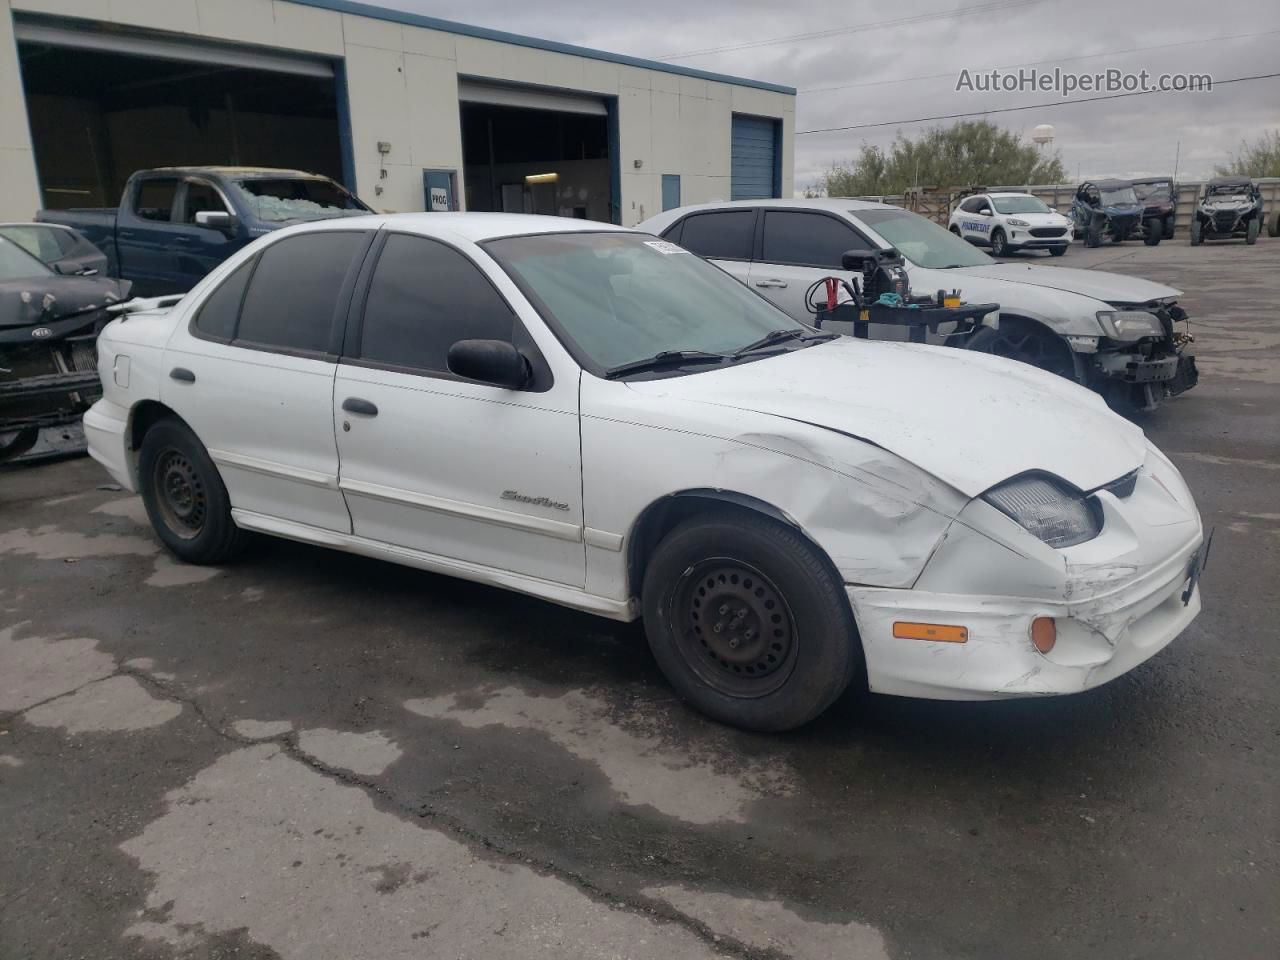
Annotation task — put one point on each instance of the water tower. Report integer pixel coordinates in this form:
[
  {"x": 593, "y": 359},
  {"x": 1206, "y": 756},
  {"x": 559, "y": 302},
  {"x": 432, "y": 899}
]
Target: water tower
[{"x": 1042, "y": 135}]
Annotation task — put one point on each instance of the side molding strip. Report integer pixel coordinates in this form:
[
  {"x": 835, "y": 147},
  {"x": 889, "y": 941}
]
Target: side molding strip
[{"x": 312, "y": 478}]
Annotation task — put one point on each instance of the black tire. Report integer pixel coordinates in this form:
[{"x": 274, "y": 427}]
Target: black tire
[
  {"x": 1273, "y": 228},
  {"x": 1026, "y": 343},
  {"x": 18, "y": 444},
  {"x": 1057, "y": 251},
  {"x": 1093, "y": 234},
  {"x": 999, "y": 244},
  {"x": 956, "y": 231},
  {"x": 784, "y": 646},
  {"x": 184, "y": 495},
  {"x": 1154, "y": 234},
  {"x": 1197, "y": 233},
  {"x": 1252, "y": 231}
]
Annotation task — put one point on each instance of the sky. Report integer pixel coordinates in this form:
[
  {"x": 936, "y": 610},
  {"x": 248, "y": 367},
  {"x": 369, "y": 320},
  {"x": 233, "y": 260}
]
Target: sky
[{"x": 891, "y": 72}]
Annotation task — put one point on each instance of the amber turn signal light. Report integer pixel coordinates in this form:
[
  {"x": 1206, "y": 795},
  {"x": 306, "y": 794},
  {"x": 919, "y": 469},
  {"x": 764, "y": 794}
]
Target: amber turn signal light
[
  {"x": 1044, "y": 633},
  {"x": 930, "y": 631}
]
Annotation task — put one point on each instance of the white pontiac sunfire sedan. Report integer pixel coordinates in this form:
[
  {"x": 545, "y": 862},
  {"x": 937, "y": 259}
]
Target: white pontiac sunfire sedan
[{"x": 596, "y": 417}]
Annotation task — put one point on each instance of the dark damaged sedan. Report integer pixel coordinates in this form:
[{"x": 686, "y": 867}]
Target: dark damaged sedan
[{"x": 49, "y": 326}]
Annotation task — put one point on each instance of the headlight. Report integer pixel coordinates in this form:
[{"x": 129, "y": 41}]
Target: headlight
[
  {"x": 1046, "y": 509},
  {"x": 1018, "y": 223},
  {"x": 1129, "y": 325}
]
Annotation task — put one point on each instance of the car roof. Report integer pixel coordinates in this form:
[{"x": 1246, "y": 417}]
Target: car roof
[
  {"x": 476, "y": 227},
  {"x": 1231, "y": 182},
  {"x": 1009, "y": 193},
  {"x": 1112, "y": 184},
  {"x": 245, "y": 172},
  {"x": 812, "y": 203},
  {"x": 1152, "y": 180}
]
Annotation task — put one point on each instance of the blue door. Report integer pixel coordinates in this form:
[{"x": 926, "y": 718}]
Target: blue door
[
  {"x": 670, "y": 191},
  {"x": 437, "y": 186},
  {"x": 755, "y": 161}
]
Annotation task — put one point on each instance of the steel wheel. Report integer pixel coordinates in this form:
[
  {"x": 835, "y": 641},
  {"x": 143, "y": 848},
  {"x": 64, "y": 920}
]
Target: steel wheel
[
  {"x": 181, "y": 495},
  {"x": 733, "y": 628}
]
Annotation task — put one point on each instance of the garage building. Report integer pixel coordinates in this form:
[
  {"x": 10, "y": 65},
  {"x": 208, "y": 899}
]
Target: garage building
[{"x": 410, "y": 111}]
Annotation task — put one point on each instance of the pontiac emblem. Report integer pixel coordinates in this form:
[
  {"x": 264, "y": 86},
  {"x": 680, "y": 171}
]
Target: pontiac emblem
[{"x": 41, "y": 332}]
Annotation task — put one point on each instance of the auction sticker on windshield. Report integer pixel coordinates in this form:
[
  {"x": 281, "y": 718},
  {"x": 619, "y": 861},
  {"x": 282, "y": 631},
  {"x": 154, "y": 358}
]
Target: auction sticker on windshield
[{"x": 665, "y": 246}]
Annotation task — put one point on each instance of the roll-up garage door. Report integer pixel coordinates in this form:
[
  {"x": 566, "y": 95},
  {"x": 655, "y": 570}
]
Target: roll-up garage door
[
  {"x": 754, "y": 158},
  {"x": 529, "y": 98}
]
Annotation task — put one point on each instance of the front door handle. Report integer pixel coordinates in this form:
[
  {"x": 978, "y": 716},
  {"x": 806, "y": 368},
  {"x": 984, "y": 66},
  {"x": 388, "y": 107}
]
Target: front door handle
[
  {"x": 771, "y": 283},
  {"x": 182, "y": 374},
  {"x": 356, "y": 405}
]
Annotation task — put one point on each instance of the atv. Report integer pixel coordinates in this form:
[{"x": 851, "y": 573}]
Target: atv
[
  {"x": 1159, "y": 198},
  {"x": 1229, "y": 207},
  {"x": 1110, "y": 208}
]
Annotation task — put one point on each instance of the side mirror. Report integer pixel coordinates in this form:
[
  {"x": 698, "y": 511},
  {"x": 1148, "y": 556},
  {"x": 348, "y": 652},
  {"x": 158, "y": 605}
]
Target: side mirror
[
  {"x": 984, "y": 211},
  {"x": 489, "y": 361},
  {"x": 215, "y": 220},
  {"x": 63, "y": 268}
]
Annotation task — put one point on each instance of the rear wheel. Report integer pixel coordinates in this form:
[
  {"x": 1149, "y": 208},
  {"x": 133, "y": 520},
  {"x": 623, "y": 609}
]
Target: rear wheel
[
  {"x": 184, "y": 495},
  {"x": 1154, "y": 234},
  {"x": 1273, "y": 228},
  {"x": 1026, "y": 343},
  {"x": 955, "y": 230},
  {"x": 748, "y": 622},
  {"x": 1197, "y": 233},
  {"x": 1251, "y": 232}
]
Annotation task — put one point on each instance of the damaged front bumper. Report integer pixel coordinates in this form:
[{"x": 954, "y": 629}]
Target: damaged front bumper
[{"x": 1115, "y": 600}]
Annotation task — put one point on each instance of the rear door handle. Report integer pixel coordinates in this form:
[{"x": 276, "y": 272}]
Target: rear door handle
[
  {"x": 771, "y": 283},
  {"x": 356, "y": 405},
  {"x": 182, "y": 374}
]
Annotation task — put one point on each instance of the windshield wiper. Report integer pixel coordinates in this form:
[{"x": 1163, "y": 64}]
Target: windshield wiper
[
  {"x": 667, "y": 358},
  {"x": 780, "y": 336}
]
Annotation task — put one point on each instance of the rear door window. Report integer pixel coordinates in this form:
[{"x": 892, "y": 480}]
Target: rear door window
[
  {"x": 154, "y": 199},
  {"x": 807, "y": 239},
  {"x": 723, "y": 235},
  {"x": 218, "y": 314},
  {"x": 423, "y": 298},
  {"x": 294, "y": 295}
]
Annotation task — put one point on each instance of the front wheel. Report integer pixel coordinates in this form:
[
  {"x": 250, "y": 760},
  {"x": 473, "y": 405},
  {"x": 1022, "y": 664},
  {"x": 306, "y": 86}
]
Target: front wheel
[
  {"x": 1154, "y": 234},
  {"x": 748, "y": 623},
  {"x": 999, "y": 245},
  {"x": 1026, "y": 343},
  {"x": 1093, "y": 235},
  {"x": 1251, "y": 232},
  {"x": 1057, "y": 251},
  {"x": 184, "y": 496},
  {"x": 1197, "y": 233}
]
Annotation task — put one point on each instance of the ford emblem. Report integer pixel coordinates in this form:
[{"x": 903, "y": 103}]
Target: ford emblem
[{"x": 41, "y": 332}]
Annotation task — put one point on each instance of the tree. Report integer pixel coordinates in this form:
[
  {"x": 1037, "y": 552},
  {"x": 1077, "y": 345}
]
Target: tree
[
  {"x": 968, "y": 153},
  {"x": 1261, "y": 158}
]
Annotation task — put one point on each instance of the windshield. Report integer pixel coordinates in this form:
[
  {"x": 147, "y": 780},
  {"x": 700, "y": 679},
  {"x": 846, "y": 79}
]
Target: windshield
[
  {"x": 622, "y": 297},
  {"x": 922, "y": 241},
  {"x": 1020, "y": 205},
  {"x": 17, "y": 264},
  {"x": 1229, "y": 190},
  {"x": 297, "y": 198},
  {"x": 1152, "y": 191},
  {"x": 1115, "y": 195}
]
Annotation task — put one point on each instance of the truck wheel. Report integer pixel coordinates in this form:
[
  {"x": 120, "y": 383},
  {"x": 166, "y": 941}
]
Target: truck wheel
[
  {"x": 999, "y": 245},
  {"x": 1154, "y": 234},
  {"x": 184, "y": 496},
  {"x": 748, "y": 622},
  {"x": 1197, "y": 233},
  {"x": 1027, "y": 343},
  {"x": 1251, "y": 232},
  {"x": 1273, "y": 229}
]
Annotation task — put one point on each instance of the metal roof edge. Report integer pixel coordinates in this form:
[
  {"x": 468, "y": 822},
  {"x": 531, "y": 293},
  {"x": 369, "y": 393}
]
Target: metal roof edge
[{"x": 501, "y": 36}]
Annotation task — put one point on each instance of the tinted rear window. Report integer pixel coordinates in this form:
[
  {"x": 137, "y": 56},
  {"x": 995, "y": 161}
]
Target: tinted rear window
[
  {"x": 725, "y": 235},
  {"x": 292, "y": 300},
  {"x": 217, "y": 316}
]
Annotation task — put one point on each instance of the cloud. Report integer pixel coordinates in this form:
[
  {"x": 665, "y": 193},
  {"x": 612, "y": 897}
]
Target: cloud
[{"x": 1120, "y": 137}]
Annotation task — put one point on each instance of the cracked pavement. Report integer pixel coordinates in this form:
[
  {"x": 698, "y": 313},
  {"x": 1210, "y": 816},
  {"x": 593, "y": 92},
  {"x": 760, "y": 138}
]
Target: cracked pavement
[{"x": 312, "y": 755}]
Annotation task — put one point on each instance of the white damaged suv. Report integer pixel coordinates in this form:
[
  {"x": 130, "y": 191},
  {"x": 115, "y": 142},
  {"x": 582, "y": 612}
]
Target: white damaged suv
[{"x": 596, "y": 417}]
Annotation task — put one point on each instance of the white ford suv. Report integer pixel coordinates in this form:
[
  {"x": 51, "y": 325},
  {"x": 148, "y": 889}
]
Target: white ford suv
[
  {"x": 1008, "y": 222},
  {"x": 596, "y": 417}
]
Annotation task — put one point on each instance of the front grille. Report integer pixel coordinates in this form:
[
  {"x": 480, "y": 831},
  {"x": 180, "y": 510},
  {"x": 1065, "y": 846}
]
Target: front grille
[
  {"x": 1048, "y": 231},
  {"x": 1224, "y": 221}
]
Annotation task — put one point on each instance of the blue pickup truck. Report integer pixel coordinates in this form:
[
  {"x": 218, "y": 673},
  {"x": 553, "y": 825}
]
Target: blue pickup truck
[{"x": 175, "y": 224}]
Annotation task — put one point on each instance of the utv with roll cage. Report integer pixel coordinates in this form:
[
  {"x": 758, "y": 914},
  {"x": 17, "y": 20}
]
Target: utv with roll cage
[
  {"x": 1229, "y": 208},
  {"x": 1111, "y": 209}
]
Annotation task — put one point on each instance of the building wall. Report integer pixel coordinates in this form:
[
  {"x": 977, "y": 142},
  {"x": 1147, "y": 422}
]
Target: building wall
[{"x": 402, "y": 84}]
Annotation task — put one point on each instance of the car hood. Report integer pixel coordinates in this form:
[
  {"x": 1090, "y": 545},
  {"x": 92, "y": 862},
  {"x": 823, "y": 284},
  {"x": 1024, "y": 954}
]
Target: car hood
[
  {"x": 1107, "y": 287},
  {"x": 969, "y": 419},
  {"x": 41, "y": 300},
  {"x": 1041, "y": 219}
]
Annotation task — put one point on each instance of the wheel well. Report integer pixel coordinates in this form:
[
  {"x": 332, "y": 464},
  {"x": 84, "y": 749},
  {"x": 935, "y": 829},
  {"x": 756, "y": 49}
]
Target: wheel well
[
  {"x": 664, "y": 515},
  {"x": 143, "y": 417},
  {"x": 1017, "y": 321}
]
